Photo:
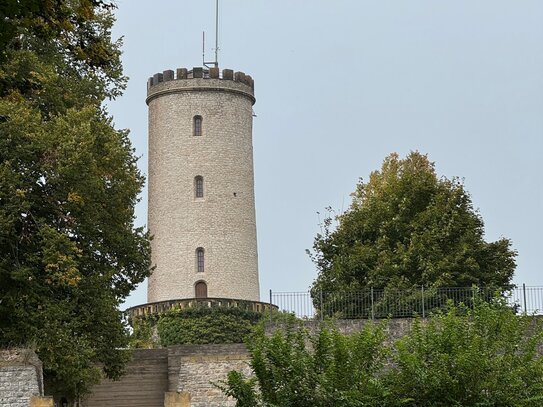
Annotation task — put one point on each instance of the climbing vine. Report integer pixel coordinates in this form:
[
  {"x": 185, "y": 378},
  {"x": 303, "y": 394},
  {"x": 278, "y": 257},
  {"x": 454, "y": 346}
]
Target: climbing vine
[{"x": 204, "y": 325}]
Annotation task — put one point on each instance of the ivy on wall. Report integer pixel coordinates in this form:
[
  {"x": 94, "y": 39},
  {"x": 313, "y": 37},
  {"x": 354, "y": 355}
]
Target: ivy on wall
[
  {"x": 206, "y": 325},
  {"x": 200, "y": 325},
  {"x": 142, "y": 332}
]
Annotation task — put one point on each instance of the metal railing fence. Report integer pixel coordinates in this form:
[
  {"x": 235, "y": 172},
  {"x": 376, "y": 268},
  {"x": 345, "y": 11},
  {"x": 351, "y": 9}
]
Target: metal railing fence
[{"x": 372, "y": 303}]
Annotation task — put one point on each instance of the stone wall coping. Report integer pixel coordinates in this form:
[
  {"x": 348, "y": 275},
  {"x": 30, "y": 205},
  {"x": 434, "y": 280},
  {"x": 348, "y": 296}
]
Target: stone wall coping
[
  {"x": 213, "y": 358},
  {"x": 18, "y": 357}
]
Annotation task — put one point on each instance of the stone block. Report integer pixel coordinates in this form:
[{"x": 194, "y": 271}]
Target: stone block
[
  {"x": 214, "y": 73},
  {"x": 37, "y": 401},
  {"x": 198, "y": 72},
  {"x": 228, "y": 74},
  {"x": 182, "y": 73},
  {"x": 181, "y": 399},
  {"x": 249, "y": 81},
  {"x": 239, "y": 77},
  {"x": 157, "y": 78},
  {"x": 168, "y": 75}
]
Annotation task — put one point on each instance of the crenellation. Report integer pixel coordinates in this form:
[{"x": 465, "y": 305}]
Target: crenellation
[
  {"x": 168, "y": 75},
  {"x": 157, "y": 78},
  {"x": 239, "y": 77},
  {"x": 214, "y": 73},
  {"x": 182, "y": 73},
  {"x": 249, "y": 81},
  {"x": 201, "y": 73},
  {"x": 197, "y": 72},
  {"x": 228, "y": 74}
]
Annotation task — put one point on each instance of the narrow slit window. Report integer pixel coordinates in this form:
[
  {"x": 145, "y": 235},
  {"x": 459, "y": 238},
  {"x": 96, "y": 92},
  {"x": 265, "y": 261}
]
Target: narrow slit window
[
  {"x": 199, "y": 186},
  {"x": 197, "y": 125},
  {"x": 200, "y": 265}
]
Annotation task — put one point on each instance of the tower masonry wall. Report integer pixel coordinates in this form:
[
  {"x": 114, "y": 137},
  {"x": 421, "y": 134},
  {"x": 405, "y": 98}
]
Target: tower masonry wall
[{"x": 223, "y": 221}]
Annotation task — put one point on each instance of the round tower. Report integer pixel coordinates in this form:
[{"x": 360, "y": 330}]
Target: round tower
[{"x": 201, "y": 185}]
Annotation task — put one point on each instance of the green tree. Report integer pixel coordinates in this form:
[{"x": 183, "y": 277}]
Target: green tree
[
  {"x": 293, "y": 367},
  {"x": 52, "y": 20},
  {"x": 405, "y": 228},
  {"x": 69, "y": 252}
]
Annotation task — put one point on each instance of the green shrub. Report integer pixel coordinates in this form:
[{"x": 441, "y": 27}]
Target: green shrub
[
  {"x": 483, "y": 355},
  {"x": 295, "y": 368},
  {"x": 203, "y": 325}
]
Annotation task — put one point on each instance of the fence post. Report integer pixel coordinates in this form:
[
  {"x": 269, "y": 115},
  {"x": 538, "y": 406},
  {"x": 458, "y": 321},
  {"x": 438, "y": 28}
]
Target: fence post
[
  {"x": 524, "y": 295},
  {"x": 271, "y": 307},
  {"x": 423, "y": 309},
  {"x": 372, "y": 312},
  {"x": 322, "y": 304}
]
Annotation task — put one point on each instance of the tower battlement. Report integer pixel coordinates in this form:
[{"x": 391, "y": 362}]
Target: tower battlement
[{"x": 199, "y": 72}]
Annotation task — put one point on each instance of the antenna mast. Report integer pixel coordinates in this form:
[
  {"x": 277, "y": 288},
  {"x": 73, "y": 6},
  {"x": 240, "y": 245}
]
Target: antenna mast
[{"x": 216, "y": 62}]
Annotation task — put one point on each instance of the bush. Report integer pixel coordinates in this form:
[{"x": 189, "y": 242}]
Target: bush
[
  {"x": 204, "y": 325},
  {"x": 480, "y": 356},
  {"x": 294, "y": 368}
]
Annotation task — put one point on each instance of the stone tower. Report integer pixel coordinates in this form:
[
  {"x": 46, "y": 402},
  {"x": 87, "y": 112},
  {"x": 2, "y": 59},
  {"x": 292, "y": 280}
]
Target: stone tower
[{"x": 201, "y": 185}]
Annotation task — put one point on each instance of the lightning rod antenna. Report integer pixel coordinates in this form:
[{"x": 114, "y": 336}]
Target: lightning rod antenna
[
  {"x": 216, "y": 62},
  {"x": 216, "y": 33},
  {"x": 203, "y": 47}
]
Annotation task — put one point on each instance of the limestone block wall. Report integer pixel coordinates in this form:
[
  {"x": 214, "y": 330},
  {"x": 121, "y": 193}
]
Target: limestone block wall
[
  {"x": 20, "y": 377},
  {"x": 194, "y": 369},
  {"x": 190, "y": 369},
  {"x": 223, "y": 221},
  {"x": 395, "y": 328}
]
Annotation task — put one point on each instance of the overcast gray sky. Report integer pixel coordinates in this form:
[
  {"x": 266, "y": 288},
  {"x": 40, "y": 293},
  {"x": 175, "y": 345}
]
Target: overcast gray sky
[{"x": 342, "y": 84}]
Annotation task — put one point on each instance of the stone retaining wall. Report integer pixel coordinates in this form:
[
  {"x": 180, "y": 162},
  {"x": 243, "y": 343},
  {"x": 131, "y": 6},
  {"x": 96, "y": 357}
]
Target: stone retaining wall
[
  {"x": 20, "y": 377},
  {"x": 196, "y": 369},
  {"x": 395, "y": 328},
  {"x": 154, "y": 374}
]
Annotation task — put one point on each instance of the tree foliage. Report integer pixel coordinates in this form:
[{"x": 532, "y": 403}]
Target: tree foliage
[
  {"x": 482, "y": 355},
  {"x": 294, "y": 368},
  {"x": 69, "y": 252},
  {"x": 68, "y": 22},
  {"x": 407, "y": 227}
]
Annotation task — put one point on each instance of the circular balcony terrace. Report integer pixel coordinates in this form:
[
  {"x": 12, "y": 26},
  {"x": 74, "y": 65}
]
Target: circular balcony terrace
[{"x": 160, "y": 307}]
